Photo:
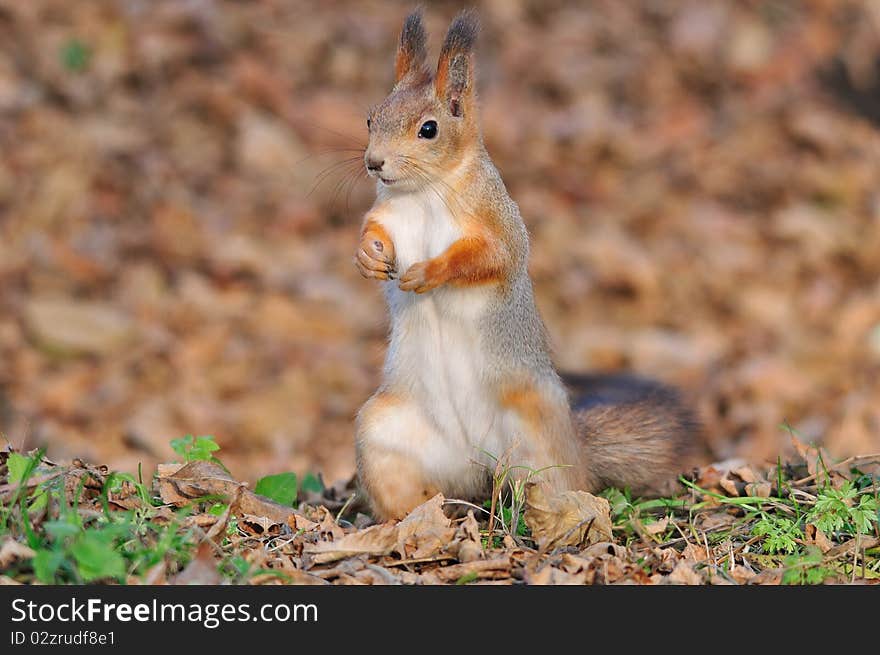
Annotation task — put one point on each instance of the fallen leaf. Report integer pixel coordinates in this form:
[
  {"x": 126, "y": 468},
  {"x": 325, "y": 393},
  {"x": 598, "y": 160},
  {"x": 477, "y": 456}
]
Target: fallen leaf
[
  {"x": 12, "y": 551},
  {"x": 202, "y": 570},
  {"x": 298, "y": 523},
  {"x": 759, "y": 489},
  {"x": 155, "y": 575},
  {"x": 550, "y": 575},
  {"x": 657, "y": 527},
  {"x": 201, "y": 478},
  {"x": 487, "y": 568},
  {"x": 684, "y": 574},
  {"x": 693, "y": 553},
  {"x": 377, "y": 541},
  {"x": 219, "y": 528},
  {"x": 602, "y": 548},
  {"x": 426, "y": 531},
  {"x": 259, "y": 526},
  {"x": 811, "y": 455},
  {"x": 467, "y": 546},
  {"x": 569, "y": 518},
  {"x": 815, "y": 537}
]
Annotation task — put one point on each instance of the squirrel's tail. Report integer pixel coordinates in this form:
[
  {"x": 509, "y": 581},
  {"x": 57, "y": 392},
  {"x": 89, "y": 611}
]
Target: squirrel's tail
[{"x": 637, "y": 432}]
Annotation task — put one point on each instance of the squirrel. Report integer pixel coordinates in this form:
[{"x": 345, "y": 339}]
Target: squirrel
[{"x": 468, "y": 375}]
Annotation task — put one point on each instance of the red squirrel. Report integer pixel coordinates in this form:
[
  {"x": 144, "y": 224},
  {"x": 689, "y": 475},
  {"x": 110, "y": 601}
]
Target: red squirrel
[{"x": 468, "y": 375}]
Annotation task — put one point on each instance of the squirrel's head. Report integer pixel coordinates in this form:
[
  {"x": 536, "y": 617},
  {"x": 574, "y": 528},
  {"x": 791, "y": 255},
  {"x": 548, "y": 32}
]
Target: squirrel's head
[{"x": 427, "y": 126}]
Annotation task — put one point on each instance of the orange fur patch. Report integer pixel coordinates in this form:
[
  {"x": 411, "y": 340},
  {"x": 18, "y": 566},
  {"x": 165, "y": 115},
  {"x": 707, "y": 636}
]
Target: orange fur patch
[
  {"x": 377, "y": 231},
  {"x": 527, "y": 402},
  {"x": 477, "y": 258}
]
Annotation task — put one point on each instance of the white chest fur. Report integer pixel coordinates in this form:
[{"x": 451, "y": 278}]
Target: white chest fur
[
  {"x": 421, "y": 227},
  {"x": 436, "y": 352}
]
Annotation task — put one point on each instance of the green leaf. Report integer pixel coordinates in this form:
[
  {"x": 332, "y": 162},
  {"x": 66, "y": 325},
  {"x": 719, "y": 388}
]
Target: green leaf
[
  {"x": 311, "y": 483},
  {"x": 194, "y": 449},
  {"x": 19, "y": 466},
  {"x": 61, "y": 529},
  {"x": 217, "y": 509},
  {"x": 46, "y": 563},
  {"x": 467, "y": 578},
  {"x": 281, "y": 488},
  {"x": 41, "y": 499},
  {"x": 96, "y": 558},
  {"x": 75, "y": 55},
  {"x": 20, "y": 469}
]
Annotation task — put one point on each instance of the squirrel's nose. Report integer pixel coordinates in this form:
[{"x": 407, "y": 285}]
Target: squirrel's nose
[{"x": 375, "y": 165}]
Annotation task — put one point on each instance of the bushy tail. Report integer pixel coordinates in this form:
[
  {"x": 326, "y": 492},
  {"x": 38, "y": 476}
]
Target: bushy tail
[{"x": 637, "y": 432}]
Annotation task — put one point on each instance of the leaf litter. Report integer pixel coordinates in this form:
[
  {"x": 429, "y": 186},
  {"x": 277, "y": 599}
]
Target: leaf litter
[{"x": 708, "y": 533}]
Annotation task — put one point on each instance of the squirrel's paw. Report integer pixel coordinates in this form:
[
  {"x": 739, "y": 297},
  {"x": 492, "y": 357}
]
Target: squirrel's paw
[
  {"x": 420, "y": 277},
  {"x": 375, "y": 258}
]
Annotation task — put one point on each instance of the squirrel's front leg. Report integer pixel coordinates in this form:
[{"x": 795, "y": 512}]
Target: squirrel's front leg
[
  {"x": 476, "y": 259},
  {"x": 375, "y": 253}
]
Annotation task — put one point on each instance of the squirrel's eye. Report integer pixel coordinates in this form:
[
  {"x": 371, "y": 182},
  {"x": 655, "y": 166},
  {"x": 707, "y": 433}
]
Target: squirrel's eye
[
  {"x": 428, "y": 130},
  {"x": 369, "y": 122}
]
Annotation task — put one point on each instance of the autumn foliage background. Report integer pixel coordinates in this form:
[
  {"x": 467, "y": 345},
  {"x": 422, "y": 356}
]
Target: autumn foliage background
[{"x": 701, "y": 181}]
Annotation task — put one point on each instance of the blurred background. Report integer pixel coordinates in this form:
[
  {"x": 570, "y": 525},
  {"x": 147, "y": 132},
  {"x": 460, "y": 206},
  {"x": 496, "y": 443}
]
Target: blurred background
[{"x": 701, "y": 181}]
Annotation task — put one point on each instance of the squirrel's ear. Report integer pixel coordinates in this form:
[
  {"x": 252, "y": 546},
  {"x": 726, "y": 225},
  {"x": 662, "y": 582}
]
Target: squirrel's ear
[
  {"x": 412, "y": 50},
  {"x": 454, "y": 83}
]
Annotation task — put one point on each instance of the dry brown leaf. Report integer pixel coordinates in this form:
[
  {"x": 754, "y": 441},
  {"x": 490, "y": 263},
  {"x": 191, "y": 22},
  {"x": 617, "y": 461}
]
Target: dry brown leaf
[
  {"x": 667, "y": 559},
  {"x": 219, "y": 528},
  {"x": 12, "y": 551},
  {"x": 487, "y": 568},
  {"x": 684, "y": 574},
  {"x": 742, "y": 573},
  {"x": 602, "y": 548},
  {"x": 657, "y": 527},
  {"x": 550, "y": 575},
  {"x": 300, "y": 577},
  {"x": 815, "y": 537},
  {"x": 297, "y": 523},
  {"x": 377, "y": 540},
  {"x": 155, "y": 575},
  {"x": 812, "y": 456},
  {"x": 467, "y": 546},
  {"x": 570, "y": 518},
  {"x": 202, "y": 570},
  {"x": 426, "y": 531},
  {"x": 328, "y": 528},
  {"x": 693, "y": 553},
  {"x": 199, "y": 479},
  {"x": 862, "y": 543},
  {"x": 759, "y": 489}
]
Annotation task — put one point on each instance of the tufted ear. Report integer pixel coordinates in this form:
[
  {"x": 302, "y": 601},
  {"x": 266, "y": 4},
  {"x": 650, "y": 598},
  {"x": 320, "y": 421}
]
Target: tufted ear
[
  {"x": 454, "y": 83},
  {"x": 412, "y": 49}
]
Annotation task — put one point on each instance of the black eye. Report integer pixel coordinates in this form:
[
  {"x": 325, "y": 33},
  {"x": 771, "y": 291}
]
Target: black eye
[
  {"x": 428, "y": 130},
  {"x": 369, "y": 122}
]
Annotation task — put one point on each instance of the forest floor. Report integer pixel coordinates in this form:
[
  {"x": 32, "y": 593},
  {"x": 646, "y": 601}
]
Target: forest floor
[{"x": 806, "y": 521}]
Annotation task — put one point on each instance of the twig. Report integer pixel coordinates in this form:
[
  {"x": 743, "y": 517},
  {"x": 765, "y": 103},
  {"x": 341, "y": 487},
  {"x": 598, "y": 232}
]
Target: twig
[{"x": 849, "y": 460}]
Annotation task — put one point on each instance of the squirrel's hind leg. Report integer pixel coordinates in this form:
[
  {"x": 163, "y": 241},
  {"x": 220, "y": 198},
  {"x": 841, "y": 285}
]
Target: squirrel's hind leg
[{"x": 389, "y": 427}]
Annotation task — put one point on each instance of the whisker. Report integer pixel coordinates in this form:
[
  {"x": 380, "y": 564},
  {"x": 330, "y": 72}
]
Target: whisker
[
  {"x": 418, "y": 168},
  {"x": 348, "y": 138},
  {"x": 328, "y": 151},
  {"x": 334, "y": 168},
  {"x": 345, "y": 166}
]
